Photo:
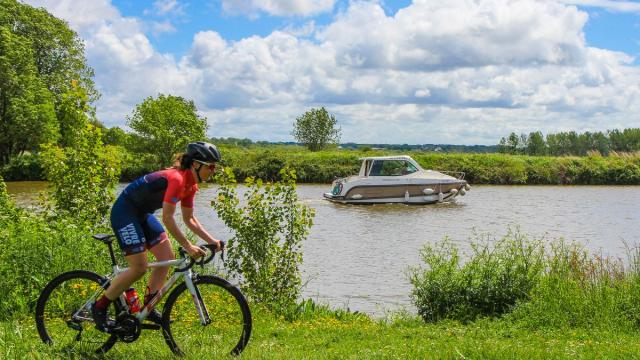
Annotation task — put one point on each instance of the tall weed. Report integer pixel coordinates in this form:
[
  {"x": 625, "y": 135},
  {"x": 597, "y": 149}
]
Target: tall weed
[{"x": 532, "y": 283}]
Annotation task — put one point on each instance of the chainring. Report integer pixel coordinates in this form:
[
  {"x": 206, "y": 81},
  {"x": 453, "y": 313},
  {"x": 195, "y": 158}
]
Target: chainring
[{"x": 128, "y": 328}]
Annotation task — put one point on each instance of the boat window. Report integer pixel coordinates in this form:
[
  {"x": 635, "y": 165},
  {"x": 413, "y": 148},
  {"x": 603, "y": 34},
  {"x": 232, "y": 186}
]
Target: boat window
[
  {"x": 409, "y": 168},
  {"x": 392, "y": 168},
  {"x": 376, "y": 168}
]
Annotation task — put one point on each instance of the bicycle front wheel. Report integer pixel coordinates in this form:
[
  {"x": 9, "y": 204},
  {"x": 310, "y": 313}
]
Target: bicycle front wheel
[
  {"x": 228, "y": 327},
  {"x": 63, "y": 314}
]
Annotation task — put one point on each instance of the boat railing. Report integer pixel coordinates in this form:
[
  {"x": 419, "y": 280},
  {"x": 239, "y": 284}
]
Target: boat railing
[{"x": 456, "y": 174}]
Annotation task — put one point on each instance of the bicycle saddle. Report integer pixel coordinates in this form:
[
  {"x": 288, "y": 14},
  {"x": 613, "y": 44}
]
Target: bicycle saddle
[{"x": 105, "y": 238}]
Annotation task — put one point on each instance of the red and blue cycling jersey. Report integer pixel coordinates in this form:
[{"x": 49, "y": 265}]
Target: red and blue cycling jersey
[
  {"x": 147, "y": 193},
  {"x": 131, "y": 216}
]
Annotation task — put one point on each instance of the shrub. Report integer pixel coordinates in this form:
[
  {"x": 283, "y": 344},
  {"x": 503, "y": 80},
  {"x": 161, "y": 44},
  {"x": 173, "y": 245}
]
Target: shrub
[
  {"x": 83, "y": 176},
  {"x": 268, "y": 231},
  {"x": 490, "y": 283}
]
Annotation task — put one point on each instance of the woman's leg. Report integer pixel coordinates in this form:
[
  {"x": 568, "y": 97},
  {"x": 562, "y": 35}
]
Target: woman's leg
[
  {"x": 162, "y": 252},
  {"x": 137, "y": 268}
]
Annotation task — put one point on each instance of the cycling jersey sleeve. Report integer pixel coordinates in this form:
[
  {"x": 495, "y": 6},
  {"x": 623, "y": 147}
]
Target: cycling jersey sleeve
[
  {"x": 187, "y": 201},
  {"x": 174, "y": 189}
]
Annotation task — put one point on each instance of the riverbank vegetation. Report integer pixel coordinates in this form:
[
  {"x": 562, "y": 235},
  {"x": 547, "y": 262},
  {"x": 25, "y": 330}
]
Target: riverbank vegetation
[{"x": 265, "y": 162}]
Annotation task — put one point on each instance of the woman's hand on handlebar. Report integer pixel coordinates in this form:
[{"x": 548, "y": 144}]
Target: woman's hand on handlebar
[
  {"x": 219, "y": 245},
  {"x": 195, "y": 251}
]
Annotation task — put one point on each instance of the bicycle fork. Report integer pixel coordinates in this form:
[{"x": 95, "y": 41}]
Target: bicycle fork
[{"x": 205, "y": 319}]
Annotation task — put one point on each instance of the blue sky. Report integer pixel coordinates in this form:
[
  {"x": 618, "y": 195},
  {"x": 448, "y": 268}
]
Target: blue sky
[
  {"x": 422, "y": 71},
  {"x": 614, "y": 31}
]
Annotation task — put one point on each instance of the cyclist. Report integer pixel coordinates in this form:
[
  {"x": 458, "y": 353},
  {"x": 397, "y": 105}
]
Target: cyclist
[{"x": 137, "y": 229}]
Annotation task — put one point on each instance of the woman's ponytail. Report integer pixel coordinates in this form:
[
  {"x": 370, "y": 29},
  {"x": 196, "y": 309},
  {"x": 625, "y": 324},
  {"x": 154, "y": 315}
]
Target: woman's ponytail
[{"x": 182, "y": 161}]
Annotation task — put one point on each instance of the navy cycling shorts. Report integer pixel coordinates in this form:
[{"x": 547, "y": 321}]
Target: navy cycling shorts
[{"x": 136, "y": 232}]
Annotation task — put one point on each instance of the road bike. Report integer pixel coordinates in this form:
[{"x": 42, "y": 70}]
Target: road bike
[{"x": 201, "y": 311}]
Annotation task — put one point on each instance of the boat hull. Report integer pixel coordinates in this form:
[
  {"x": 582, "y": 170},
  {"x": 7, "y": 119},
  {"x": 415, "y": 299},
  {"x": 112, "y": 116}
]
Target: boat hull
[
  {"x": 404, "y": 194},
  {"x": 413, "y": 200}
]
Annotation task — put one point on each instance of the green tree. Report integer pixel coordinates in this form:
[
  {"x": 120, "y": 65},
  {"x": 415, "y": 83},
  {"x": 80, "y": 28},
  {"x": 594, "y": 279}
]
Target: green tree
[
  {"x": 58, "y": 51},
  {"x": 536, "y": 145},
  {"x": 165, "y": 126},
  {"x": 27, "y": 115},
  {"x": 115, "y": 136},
  {"x": 316, "y": 129},
  {"x": 41, "y": 60}
]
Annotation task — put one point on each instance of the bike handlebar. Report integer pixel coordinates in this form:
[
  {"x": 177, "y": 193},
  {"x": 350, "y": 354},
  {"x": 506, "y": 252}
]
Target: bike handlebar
[{"x": 204, "y": 260}]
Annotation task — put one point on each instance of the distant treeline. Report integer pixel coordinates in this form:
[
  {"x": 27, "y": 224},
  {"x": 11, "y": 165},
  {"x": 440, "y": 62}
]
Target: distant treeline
[
  {"x": 571, "y": 143},
  {"x": 446, "y": 148}
]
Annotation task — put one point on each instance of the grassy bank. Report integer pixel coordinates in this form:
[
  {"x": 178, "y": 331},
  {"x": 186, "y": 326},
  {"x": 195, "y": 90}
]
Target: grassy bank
[
  {"x": 511, "y": 298},
  {"x": 330, "y": 338},
  {"x": 324, "y": 166}
]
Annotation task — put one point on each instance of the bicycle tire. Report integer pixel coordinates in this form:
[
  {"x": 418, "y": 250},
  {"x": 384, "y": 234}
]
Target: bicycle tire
[
  {"x": 58, "y": 298},
  {"x": 229, "y": 313}
]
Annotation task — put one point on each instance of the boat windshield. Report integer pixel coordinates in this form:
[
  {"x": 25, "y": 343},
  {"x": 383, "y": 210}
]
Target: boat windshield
[{"x": 392, "y": 168}]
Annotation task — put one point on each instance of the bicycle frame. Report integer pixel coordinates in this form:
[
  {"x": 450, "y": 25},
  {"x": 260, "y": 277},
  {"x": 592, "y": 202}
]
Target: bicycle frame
[{"x": 188, "y": 276}]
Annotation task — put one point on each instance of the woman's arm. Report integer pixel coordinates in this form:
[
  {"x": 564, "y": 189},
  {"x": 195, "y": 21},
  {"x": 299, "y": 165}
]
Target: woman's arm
[
  {"x": 194, "y": 225},
  {"x": 168, "y": 211}
]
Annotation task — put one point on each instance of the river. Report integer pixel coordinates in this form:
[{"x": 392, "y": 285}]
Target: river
[{"x": 356, "y": 256}]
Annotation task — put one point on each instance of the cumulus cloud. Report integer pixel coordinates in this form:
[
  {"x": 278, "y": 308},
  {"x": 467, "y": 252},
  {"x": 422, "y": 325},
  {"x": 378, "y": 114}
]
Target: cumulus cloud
[
  {"x": 616, "y": 6},
  {"x": 430, "y": 35},
  {"x": 434, "y": 72},
  {"x": 253, "y": 8}
]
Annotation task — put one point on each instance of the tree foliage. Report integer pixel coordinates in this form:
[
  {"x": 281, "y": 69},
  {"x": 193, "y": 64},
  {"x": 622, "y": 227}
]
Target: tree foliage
[
  {"x": 316, "y": 129},
  {"x": 572, "y": 143},
  {"x": 41, "y": 60},
  {"x": 269, "y": 227},
  {"x": 27, "y": 114},
  {"x": 165, "y": 125},
  {"x": 58, "y": 51}
]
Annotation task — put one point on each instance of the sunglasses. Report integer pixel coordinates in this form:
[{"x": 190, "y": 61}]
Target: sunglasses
[{"x": 210, "y": 166}]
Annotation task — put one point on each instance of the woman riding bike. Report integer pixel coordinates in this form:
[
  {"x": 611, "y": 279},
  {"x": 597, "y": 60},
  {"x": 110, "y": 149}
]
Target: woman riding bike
[{"x": 137, "y": 229}]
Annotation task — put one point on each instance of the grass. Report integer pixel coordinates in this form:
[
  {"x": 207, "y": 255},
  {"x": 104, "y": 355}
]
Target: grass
[{"x": 362, "y": 338}]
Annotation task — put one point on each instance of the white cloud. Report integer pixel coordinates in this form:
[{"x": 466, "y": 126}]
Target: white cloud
[
  {"x": 168, "y": 8},
  {"x": 158, "y": 28},
  {"x": 615, "y": 6},
  {"x": 81, "y": 15},
  {"x": 429, "y": 35},
  {"x": 277, "y": 7},
  {"x": 435, "y": 72}
]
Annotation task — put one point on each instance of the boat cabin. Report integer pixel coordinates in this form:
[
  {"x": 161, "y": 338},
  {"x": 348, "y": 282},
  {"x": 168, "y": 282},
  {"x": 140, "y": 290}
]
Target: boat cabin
[{"x": 388, "y": 166}]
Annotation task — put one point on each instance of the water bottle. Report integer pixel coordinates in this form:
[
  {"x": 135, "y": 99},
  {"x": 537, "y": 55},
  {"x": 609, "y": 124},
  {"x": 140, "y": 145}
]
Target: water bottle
[{"x": 132, "y": 300}]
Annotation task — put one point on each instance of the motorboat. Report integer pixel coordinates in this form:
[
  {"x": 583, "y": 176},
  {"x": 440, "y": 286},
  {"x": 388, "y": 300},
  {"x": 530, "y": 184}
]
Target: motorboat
[{"x": 397, "y": 179}]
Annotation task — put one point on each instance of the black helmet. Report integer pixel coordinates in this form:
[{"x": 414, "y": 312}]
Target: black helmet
[{"x": 203, "y": 152}]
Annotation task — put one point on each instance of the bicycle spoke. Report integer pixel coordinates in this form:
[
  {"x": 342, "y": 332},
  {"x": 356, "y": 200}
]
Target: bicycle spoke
[
  {"x": 229, "y": 326},
  {"x": 64, "y": 317}
]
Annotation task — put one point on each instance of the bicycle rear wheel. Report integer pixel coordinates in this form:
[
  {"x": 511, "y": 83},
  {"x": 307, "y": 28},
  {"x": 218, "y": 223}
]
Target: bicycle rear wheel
[
  {"x": 229, "y": 329},
  {"x": 63, "y": 313}
]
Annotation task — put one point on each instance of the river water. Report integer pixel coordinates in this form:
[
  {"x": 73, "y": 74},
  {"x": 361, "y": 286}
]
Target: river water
[{"x": 356, "y": 257}]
